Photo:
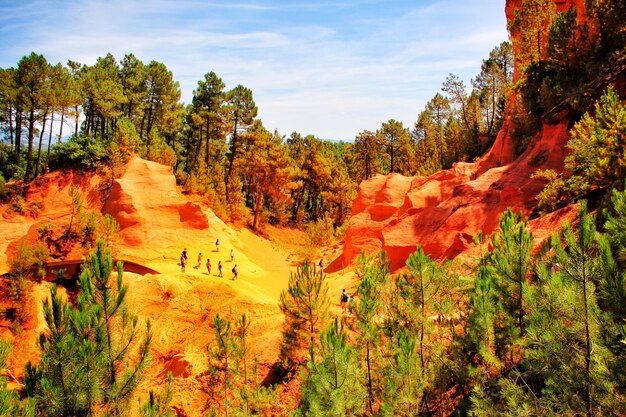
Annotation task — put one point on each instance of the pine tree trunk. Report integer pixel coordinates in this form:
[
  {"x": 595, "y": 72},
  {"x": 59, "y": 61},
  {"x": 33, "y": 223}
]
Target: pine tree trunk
[
  {"x": 76, "y": 115},
  {"x": 50, "y": 140},
  {"x": 18, "y": 132},
  {"x": 422, "y": 324},
  {"x": 149, "y": 126},
  {"x": 31, "y": 140},
  {"x": 297, "y": 203},
  {"x": 143, "y": 121},
  {"x": 88, "y": 121},
  {"x": 208, "y": 138},
  {"x": 257, "y": 207},
  {"x": 233, "y": 150},
  {"x": 226, "y": 386},
  {"x": 587, "y": 346},
  {"x": 198, "y": 148},
  {"x": 521, "y": 299},
  {"x": 370, "y": 394},
  {"x": 62, "y": 121},
  {"x": 493, "y": 111},
  {"x": 11, "y": 124}
]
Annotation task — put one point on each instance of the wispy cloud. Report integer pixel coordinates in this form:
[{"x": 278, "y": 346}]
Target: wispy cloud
[{"x": 331, "y": 68}]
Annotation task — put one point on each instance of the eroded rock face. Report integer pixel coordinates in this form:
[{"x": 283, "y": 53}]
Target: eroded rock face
[
  {"x": 443, "y": 212},
  {"x": 145, "y": 202}
]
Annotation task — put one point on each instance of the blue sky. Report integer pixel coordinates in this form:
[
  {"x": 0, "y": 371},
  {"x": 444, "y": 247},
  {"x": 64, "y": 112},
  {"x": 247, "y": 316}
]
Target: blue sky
[{"x": 331, "y": 68}]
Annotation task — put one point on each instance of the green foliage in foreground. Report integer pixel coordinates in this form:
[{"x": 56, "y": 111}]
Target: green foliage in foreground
[
  {"x": 10, "y": 404},
  {"x": 86, "y": 366},
  {"x": 519, "y": 334}
]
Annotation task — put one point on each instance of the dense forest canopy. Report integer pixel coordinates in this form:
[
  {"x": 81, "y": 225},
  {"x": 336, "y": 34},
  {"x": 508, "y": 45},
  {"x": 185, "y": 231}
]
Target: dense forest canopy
[{"x": 216, "y": 144}]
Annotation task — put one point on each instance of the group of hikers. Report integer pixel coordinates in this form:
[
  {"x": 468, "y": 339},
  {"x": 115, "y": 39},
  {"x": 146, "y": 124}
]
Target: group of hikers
[
  {"x": 184, "y": 259},
  {"x": 343, "y": 301}
]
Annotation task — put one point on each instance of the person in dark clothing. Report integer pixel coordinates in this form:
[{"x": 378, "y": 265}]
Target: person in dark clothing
[
  {"x": 344, "y": 301},
  {"x": 235, "y": 272},
  {"x": 219, "y": 269},
  {"x": 183, "y": 260}
]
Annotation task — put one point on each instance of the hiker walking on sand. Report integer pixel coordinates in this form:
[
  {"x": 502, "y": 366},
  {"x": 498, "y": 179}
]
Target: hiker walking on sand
[
  {"x": 199, "y": 261},
  {"x": 183, "y": 260},
  {"x": 219, "y": 269},
  {"x": 344, "y": 301},
  {"x": 208, "y": 265},
  {"x": 232, "y": 254},
  {"x": 217, "y": 244},
  {"x": 235, "y": 271}
]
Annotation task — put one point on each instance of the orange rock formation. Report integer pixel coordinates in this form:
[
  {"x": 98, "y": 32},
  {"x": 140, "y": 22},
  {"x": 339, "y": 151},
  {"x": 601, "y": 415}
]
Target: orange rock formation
[{"x": 444, "y": 211}]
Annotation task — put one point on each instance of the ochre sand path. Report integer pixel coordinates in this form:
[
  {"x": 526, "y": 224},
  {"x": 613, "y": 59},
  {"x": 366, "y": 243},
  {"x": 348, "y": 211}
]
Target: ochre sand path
[
  {"x": 157, "y": 223},
  {"x": 160, "y": 222}
]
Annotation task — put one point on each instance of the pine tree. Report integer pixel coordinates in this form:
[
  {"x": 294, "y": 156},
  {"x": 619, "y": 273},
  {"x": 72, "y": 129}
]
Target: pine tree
[
  {"x": 66, "y": 380},
  {"x": 597, "y": 146},
  {"x": 493, "y": 84},
  {"x": 421, "y": 286},
  {"x": 431, "y": 123},
  {"x": 398, "y": 144},
  {"x": 334, "y": 384},
  {"x": 484, "y": 309},
  {"x": 241, "y": 333},
  {"x": 224, "y": 358},
  {"x": 267, "y": 168},
  {"x": 120, "y": 329},
  {"x": 404, "y": 380},
  {"x": 366, "y": 147},
  {"x": 242, "y": 111},
  {"x": 209, "y": 103},
  {"x": 133, "y": 80},
  {"x": 373, "y": 273},
  {"x": 305, "y": 306},
  {"x": 31, "y": 79},
  {"x": 578, "y": 264},
  {"x": 511, "y": 260},
  {"x": 612, "y": 289},
  {"x": 157, "y": 404},
  {"x": 161, "y": 101},
  {"x": 104, "y": 96},
  {"x": 531, "y": 25},
  {"x": 563, "y": 367},
  {"x": 85, "y": 364}
]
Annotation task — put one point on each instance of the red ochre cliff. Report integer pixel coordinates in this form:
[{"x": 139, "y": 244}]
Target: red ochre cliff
[{"x": 444, "y": 211}]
